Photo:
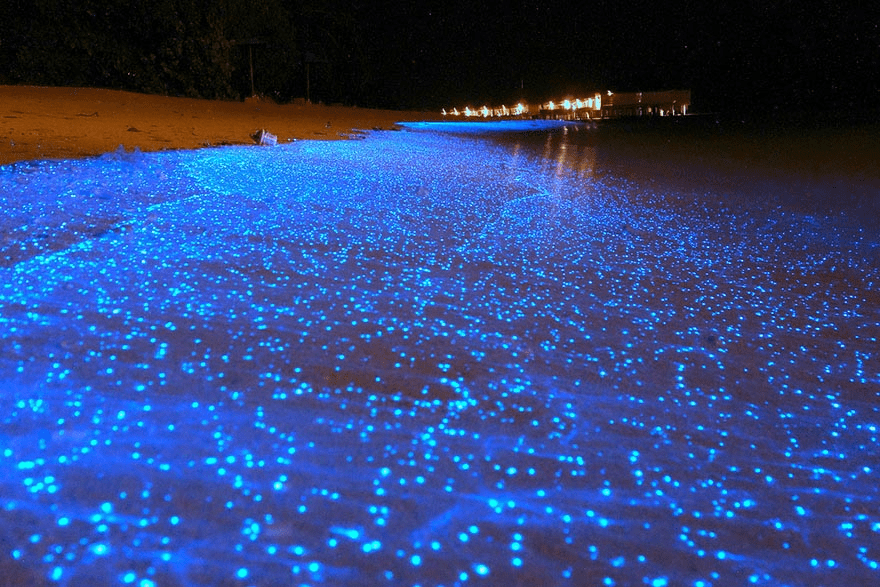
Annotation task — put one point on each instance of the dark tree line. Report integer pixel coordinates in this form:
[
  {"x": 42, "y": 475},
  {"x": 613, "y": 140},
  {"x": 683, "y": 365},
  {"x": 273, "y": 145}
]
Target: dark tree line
[
  {"x": 403, "y": 54},
  {"x": 196, "y": 48}
]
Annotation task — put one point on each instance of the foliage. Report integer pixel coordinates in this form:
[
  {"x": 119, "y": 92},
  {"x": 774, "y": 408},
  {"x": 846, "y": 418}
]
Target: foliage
[{"x": 198, "y": 48}]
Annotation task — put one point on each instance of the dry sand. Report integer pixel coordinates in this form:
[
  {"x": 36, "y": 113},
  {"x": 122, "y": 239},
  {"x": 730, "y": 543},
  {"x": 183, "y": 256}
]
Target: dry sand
[{"x": 56, "y": 123}]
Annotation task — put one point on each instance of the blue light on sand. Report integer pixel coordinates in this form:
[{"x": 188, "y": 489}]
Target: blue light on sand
[{"x": 427, "y": 358}]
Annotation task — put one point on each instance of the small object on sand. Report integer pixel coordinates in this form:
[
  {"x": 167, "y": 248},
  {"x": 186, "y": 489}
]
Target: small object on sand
[{"x": 264, "y": 137}]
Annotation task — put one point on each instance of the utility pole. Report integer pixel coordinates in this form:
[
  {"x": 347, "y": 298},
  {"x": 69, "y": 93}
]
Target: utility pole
[
  {"x": 250, "y": 45},
  {"x": 251, "y": 62}
]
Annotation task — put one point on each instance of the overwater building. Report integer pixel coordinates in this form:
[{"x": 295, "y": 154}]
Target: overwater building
[
  {"x": 608, "y": 105},
  {"x": 663, "y": 103}
]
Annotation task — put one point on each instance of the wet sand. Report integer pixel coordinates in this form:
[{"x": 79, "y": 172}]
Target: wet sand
[{"x": 419, "y": 359}]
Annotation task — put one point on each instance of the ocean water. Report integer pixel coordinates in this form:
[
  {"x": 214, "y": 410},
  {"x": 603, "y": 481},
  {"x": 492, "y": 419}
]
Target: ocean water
[{"x": 537, "y": 354}]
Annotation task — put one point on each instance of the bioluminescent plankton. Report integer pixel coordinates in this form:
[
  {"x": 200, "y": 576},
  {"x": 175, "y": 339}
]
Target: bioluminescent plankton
[{"x": 427, "y": 359}]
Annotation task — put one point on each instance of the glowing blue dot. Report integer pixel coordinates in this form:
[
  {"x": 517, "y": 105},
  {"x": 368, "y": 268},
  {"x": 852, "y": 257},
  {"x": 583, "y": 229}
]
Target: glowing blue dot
[
  {"x": 371, "y": 546},
  {"x": 129, "y": 577},
  {"x": 481, "y": 570},
  {"x": 660, "y": 582},
  {"x": 241, "y": 573},
  {"x": 416, "y": 560},
  {"x": 516, "y": 561},
  {"x": 56, "y": 573}
]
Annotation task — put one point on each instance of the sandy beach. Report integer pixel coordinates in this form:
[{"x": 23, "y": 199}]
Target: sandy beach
[
  {"x": 55, "y": 123},
  {"x": 428, "y": 358}
]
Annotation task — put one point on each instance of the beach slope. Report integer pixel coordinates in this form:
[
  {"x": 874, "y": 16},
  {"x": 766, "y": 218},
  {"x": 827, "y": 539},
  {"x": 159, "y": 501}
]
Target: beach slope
[{"x": 58, "y": 123}]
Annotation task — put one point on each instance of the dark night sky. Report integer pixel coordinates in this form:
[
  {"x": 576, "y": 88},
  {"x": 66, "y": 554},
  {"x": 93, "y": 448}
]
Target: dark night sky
[
  {"x": 749, "y": 55},
  {"x": 734, "y": 56}
]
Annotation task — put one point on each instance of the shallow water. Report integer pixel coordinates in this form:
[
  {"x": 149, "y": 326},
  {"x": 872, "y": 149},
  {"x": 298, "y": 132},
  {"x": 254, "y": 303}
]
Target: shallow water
[{"x": 432, "y": 359}]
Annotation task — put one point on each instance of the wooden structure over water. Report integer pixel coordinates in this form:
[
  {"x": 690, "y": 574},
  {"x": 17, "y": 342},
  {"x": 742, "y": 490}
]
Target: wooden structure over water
[
  {"x": 608, "y": 105},
  {"x": 663, "y": 103}
]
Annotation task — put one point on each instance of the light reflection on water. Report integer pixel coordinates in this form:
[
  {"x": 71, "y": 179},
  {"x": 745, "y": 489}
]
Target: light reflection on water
[
  {"x": 815, "y": 171},
  {"x": 428, "y": 359}
]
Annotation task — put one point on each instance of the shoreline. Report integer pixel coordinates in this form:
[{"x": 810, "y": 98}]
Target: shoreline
[
  {"x": 805, "y": 164},
  {"x": 63, "y": 123}
]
